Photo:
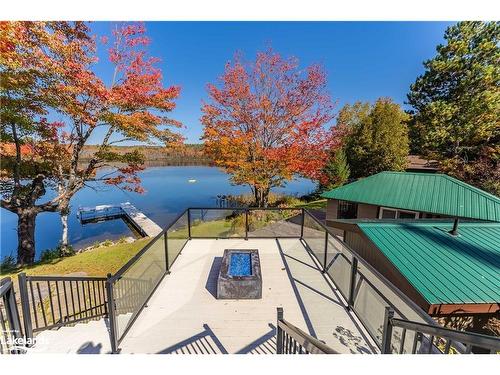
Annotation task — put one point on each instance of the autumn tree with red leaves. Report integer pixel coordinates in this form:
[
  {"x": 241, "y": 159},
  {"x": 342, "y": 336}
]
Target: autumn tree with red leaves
[
  {"x": 48, "y": 66},
  {"x": 266, "y": 122}
]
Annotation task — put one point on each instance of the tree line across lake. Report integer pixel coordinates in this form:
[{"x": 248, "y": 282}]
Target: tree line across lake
[{"x": 186, "y": 154}]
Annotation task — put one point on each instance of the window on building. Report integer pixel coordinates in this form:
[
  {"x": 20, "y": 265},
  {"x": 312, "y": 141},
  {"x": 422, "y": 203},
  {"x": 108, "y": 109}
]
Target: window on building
[
  {"x": 389, "y": 213},
  {"x": 407, "y": 215},
  {"x": 385, "y": 213},
  {"x": 347, "y": 210}
]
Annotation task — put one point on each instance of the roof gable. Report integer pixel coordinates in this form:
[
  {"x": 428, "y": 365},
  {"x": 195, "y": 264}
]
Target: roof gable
[{"x": 425, "y": 192}]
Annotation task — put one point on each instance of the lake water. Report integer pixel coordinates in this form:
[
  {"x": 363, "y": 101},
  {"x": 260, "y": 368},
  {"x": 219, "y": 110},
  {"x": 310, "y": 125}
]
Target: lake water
[{"x": 168, "y": 193}]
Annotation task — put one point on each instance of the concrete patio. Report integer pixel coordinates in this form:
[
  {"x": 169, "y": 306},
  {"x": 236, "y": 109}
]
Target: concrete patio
[{"x": 183, "y": 315}]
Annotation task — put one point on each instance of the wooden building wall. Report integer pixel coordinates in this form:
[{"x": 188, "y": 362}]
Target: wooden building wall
[{"x": 378, "y": 260}]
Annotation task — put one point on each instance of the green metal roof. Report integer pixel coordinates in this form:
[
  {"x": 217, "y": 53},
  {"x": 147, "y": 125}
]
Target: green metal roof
[
  {"x": 425, "y": 192},
  {"x": 444, "y": 269}
]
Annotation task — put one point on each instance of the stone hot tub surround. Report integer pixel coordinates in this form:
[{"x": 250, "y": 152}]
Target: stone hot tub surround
[{"x": 240, "y": 275}]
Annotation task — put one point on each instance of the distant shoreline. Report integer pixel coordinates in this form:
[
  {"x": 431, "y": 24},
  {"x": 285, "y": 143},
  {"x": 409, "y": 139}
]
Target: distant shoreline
[{"x": 156, "y": 156}]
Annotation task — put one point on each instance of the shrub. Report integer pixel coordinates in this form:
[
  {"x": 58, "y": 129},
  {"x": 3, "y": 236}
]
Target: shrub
[
  {"x": 288, "y": 201},
  {"x": 66, "y": 251},
  {"x": 49, "y": 255},
  {"x": 8, "y": 264}
]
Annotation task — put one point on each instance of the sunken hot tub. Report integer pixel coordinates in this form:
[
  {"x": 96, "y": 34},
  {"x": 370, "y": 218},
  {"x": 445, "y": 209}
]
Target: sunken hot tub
[{"x": 239, "y": 275}]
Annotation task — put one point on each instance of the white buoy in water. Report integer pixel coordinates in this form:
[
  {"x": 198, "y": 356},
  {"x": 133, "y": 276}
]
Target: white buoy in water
[{"x": 191, "y": 180}]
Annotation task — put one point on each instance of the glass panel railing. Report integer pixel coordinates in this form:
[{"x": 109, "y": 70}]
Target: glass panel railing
[
  {"x": 339, "y": 265},
  {"x": 217, "y": 223},
  {"x": 134, "y": 286},
  {"x": 314, "y": 236},
  {"x": 177, "y": 236},
  {"x": 402, "y": 305},
  {"x": 370, "y": 308},
  {"x": 371, "y": 293},
  {"x": 274, "y": 222}
]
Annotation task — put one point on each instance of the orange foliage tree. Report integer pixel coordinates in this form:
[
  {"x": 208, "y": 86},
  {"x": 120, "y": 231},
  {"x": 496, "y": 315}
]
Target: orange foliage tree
[
  {"x": 266, "y": 122},
  {"x": 47, "y": 67}
]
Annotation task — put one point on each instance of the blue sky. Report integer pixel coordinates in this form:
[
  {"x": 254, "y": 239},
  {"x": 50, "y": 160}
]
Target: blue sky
[{"x": 363, "y": 60}]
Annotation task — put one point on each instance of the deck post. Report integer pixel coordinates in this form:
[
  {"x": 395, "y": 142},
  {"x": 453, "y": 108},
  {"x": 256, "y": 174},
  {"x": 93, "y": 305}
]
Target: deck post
[
  {"x": 189, "y": 222},
  {"x": 166, "y": 251},
  {"x": 279, "y": 331},
  {"x": 25, "y": 307},
  {"x": 302, "y": 224},
  {"x": 387, "y": 332},
  {"x": 352, "y": 283},
  {"x": 10, "y": 304},
  {"x": 111, "y": 315},
  {"x": 246, "y": 224},
  {"x": 326, "y": 251}
]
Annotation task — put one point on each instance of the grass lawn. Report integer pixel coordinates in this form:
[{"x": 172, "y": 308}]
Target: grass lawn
[
  {"x": 95, "y": 262},
  {"x": 220, "y": 228},
  {"x": 314, "y": 205}
]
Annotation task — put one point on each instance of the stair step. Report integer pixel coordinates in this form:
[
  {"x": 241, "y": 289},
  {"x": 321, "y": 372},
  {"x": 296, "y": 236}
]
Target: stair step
[{"x": 84, "y": 337}]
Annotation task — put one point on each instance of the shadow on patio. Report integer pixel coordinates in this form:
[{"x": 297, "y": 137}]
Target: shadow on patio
[{"x": 206, "y": 342}]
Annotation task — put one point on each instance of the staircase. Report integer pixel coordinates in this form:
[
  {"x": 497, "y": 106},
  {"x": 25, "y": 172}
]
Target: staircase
[{"x": 90, "y": 337}]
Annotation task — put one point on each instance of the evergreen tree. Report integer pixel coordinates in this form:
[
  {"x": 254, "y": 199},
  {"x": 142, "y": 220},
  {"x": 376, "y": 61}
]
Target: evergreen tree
[
  {"x": 456, "y": 105},
  {"x": 336, "y": 171}
]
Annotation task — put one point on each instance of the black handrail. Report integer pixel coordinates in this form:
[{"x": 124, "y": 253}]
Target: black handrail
[
  {"x": 116, "y": 336},
  {"x": 246, "y": 211},
  {"x": 462, "y": 341},
  {"x": 292, "y": 340},
  {"x": 382, "y": 278},
  {"x": 70, "y": 299},
  {"x": 10, "y": 322},
  {"x": 304, "y": 211},
  {"x": 108, "y": 305},
  {"x": 137, "y": 256}
]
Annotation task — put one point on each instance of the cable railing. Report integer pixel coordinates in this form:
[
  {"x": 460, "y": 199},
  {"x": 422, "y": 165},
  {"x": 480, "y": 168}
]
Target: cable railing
[{"x": 292, "y": 340}]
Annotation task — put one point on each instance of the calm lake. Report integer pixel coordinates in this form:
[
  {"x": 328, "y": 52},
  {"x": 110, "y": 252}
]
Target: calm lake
[{"x": 168, "y": 192}]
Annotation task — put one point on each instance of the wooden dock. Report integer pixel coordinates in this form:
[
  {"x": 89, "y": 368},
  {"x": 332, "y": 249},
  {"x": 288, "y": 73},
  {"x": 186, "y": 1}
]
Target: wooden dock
[{"x": 125, "y": 211}]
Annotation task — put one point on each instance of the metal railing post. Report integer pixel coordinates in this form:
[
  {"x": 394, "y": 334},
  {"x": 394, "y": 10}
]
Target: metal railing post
[
  {"x": 111, "y": 315},
  {"x": 25, "y": 307},
  {"x": 352, "y": 283},
  {"x": 9, "y": 300},
  {"x": 387, "y": 332},
  {"x": 326, "y": 251},
  {"x": 302, "y": 224},
  {"x": 166, "y": 251},
  {"x": 189, "y": 222},
  {"x": 246, "y": 224},
  {"x": 279, "y": 332}
]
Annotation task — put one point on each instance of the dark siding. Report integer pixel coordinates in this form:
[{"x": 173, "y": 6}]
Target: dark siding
[{"x": 374, "y": 256}]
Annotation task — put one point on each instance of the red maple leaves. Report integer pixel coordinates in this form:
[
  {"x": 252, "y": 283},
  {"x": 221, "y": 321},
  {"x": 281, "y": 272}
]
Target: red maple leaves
[{"x": 267, "y": 121}]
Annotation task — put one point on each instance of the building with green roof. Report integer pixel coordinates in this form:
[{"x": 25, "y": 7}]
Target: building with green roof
[
  {"x": 444, "y": 274},
  {"x": 406, "y": 195}
]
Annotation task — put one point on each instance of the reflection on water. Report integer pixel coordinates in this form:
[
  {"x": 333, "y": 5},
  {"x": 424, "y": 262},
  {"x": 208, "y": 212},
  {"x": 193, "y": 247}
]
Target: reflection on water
[{"x": 168, "y": 192}]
